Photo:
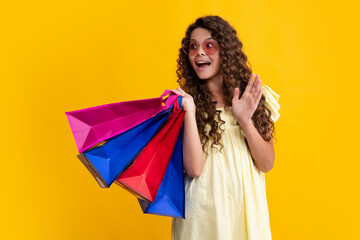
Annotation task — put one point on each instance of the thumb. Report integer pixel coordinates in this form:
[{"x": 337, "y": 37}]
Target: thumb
[{"x": 236, "y": 94}]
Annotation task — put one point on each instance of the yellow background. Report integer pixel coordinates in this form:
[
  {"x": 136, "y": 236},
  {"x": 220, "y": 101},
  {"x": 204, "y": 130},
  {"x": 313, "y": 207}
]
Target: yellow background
[{"x": 65, "y": 55}]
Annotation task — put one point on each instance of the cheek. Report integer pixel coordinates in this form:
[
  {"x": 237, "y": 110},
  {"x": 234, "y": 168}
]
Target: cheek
[
  {"x": 192, "y": 62},
  {"x": 217, "y": 64}
]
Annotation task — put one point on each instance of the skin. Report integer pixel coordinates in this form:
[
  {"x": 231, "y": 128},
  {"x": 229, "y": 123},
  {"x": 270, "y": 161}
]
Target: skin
[{"x": 243, "y": 109}]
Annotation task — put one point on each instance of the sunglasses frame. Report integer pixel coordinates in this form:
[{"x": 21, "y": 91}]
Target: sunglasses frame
[{"x": 198, "y": 44}]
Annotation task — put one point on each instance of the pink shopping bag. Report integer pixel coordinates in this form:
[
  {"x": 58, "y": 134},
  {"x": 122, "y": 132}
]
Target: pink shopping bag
[{"x": 93, "y": 125}]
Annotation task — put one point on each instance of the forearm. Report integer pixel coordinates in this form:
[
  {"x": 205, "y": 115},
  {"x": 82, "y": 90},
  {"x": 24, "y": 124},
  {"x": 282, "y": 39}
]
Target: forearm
[
  {"x": 192, "y": 148},
  {"x": 262, "y": 151}
]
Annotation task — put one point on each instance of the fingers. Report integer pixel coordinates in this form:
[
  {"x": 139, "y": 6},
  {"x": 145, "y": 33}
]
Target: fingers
[
  {"x": 179, "y": 92},
  {"x": 236, "y": 94},
  {"x": 256, "y": 85},
  {"x": 257, "y": 91},
  {"x": 250, "y": 84},
  {"x": 176, "y": 91},
  {"x": 253, "y": 85},
  {"x": 253, "y": 89},
  {"x": 182, "y": 91},
  {"x": 258, "y": 96}
]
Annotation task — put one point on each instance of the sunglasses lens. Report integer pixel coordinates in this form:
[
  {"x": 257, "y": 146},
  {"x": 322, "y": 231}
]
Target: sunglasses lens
[
  {"x": 193, "y": 48},
  {"x": 210, "y": 47}
]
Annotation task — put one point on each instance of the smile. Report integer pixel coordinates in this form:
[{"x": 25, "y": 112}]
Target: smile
[{"x": 203, "y": 65}]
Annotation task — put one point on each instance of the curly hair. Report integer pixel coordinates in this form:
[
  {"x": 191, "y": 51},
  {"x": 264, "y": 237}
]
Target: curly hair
[{"x": 235, "y": 73}]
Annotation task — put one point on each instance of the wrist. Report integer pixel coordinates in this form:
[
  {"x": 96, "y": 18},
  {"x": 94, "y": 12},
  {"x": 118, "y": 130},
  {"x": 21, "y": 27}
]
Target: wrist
[
  {"x": 191, "y": 109},
  {"x": 244, "y": 124},
  {"x": 190, "y": 114}
]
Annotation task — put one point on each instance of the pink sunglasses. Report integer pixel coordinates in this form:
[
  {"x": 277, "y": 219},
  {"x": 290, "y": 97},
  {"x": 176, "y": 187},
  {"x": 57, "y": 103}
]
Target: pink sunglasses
[{"x": 191, "y": 47}]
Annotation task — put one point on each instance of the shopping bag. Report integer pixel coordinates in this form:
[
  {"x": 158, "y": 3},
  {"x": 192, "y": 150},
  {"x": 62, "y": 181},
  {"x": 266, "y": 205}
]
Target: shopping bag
[
  {"x": 93, "y": 125},
  {"x": 145, "y": 174},
  {"x": 107, "y": 161},
  {"x": 129, "y": 190},
  {"x": 170, "y": 198}
]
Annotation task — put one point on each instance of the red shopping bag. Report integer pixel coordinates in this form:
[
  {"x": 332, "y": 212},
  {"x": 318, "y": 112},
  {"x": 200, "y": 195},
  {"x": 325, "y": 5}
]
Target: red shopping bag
[{"x": 144, "y": 176}]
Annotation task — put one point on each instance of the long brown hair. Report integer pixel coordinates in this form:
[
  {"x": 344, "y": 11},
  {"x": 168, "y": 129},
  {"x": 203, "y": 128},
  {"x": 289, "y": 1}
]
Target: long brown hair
[{"x": 235, "y": 72}]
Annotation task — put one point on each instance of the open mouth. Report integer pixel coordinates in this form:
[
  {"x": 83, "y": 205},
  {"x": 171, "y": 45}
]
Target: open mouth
[{"x": 203, "y": 65}]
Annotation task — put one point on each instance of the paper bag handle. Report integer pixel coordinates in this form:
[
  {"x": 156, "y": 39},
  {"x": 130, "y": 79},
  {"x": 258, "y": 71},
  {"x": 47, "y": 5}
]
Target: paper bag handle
[{"x": 170, "y": 100}]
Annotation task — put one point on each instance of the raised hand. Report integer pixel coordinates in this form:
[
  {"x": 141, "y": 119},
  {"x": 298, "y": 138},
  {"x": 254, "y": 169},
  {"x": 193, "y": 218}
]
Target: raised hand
[{"x": 244, "y": 108}]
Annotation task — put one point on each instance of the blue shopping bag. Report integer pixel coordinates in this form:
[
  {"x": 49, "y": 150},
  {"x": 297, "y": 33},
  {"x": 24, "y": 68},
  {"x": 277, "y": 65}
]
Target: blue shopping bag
[
  {"x": 170, "y": 198},
  {"x": 106, "y": 162}
]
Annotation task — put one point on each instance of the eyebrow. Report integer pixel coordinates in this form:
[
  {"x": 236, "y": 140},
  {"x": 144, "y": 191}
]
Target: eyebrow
[{"x": 205, "y": 39}]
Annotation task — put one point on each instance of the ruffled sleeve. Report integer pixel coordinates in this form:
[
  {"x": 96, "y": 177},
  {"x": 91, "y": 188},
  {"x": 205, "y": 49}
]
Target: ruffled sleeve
[{"x": 271, "y": 100}]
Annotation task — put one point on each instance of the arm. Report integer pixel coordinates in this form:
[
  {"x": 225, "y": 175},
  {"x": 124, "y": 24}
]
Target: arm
[
  {"x": 192, "y": 148},
  {"x": 262, "y": 151}
]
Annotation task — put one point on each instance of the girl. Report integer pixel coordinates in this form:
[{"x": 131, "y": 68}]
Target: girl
[{"x": 228, "y": 137}]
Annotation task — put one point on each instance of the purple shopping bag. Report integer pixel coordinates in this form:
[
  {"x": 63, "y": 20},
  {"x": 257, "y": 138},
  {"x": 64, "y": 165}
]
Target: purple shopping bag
[{"x": 93, "y": 125}]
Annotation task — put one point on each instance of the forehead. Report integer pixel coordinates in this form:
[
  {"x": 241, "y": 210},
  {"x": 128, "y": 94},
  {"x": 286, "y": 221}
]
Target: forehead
[{"x": 200, "y": 34}]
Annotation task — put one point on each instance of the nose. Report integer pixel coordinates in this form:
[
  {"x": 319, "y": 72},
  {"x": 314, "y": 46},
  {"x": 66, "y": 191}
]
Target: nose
[{"x": 200, "y": 51}]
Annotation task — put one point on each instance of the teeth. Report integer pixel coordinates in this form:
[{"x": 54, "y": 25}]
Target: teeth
[{"x": 202, "y": 62}]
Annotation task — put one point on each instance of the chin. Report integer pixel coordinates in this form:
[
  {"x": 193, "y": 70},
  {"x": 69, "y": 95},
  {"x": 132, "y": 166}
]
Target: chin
[{"x": 204, "y": 76}]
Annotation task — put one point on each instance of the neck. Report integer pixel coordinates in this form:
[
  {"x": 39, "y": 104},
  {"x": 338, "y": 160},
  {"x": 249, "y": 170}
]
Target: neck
[{"x": 215, "y": 86}]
